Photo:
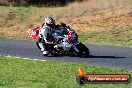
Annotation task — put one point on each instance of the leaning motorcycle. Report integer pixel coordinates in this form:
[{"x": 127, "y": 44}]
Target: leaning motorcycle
[{"x": 65, "y": 43}]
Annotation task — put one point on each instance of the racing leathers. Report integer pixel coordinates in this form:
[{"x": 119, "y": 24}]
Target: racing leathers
[{"x": 44, "y": 38}]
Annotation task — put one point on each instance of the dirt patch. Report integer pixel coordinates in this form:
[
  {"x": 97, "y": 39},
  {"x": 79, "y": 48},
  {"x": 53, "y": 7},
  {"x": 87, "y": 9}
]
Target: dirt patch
[{"x": 98, "y": 23}]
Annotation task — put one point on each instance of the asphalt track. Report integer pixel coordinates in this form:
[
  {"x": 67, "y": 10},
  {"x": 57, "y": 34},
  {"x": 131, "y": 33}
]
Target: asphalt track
[{"x": 101, "y": 55}]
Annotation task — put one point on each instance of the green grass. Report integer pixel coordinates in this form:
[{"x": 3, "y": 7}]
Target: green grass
[
  {"x": 21, "y": 14},
  {"x": 19, "y": 73},
  {"x": 110, "y": 37}
]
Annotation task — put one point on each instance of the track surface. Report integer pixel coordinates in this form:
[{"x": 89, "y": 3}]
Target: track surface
[{"x": 109, "y": 56}]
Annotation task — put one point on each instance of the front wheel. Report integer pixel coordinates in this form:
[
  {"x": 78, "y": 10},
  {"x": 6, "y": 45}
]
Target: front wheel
[{"x": 83, "y": 50}]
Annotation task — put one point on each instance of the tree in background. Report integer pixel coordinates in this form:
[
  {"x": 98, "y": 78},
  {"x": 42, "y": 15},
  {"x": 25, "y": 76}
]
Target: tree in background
[
  {"x": 49, "y": 2},
  {"x": 39, "y": 2},
  {"x": 14, "y": 2}
]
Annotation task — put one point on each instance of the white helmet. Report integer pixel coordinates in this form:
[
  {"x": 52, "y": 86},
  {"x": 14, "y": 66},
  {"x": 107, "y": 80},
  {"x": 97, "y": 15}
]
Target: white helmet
[{"x": 49, "y": 21}]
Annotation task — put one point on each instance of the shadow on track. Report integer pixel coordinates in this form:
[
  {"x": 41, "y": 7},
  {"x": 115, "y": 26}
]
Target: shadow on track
[
  {"x": 91, "y": 56},
  {"x": 112, "y": 57}
]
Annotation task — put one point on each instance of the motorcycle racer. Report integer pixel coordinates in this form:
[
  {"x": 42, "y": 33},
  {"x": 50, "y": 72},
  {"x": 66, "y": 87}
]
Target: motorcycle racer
[
  {"x": 58, "y": 39},
  {"x": 45, "y": 35},
  {"x": 49, "y": 33}
]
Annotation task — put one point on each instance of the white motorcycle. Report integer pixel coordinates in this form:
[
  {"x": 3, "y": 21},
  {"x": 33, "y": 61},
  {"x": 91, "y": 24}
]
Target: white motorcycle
[{"x": 67, "y": 44}]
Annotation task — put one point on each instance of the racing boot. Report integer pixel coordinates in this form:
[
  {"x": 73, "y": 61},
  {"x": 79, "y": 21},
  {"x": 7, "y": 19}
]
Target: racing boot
[{"x": 45, "y": 53}]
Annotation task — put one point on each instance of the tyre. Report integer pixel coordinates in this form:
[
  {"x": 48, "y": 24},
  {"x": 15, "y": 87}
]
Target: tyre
[
  {"x": 83, "y": 50},
  {"x": 72, "y": 53}
]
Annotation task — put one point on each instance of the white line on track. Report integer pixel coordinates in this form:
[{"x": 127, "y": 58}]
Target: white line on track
[
  {"x": 8, "y": 56},
  {"x": 17, "y": 57},
  {"x": 42, "y": 60},
  {"x": 34, "y": 59},
  {"x": 25, "y": 58}
]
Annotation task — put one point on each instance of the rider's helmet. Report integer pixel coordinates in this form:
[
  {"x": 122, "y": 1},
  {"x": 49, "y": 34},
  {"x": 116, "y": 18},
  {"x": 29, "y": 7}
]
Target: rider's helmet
[{"x": 49, "y": 21}]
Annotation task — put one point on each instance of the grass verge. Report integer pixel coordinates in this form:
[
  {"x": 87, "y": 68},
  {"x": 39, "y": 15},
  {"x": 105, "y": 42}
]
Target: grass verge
[{"x": 19, "y": 73}]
